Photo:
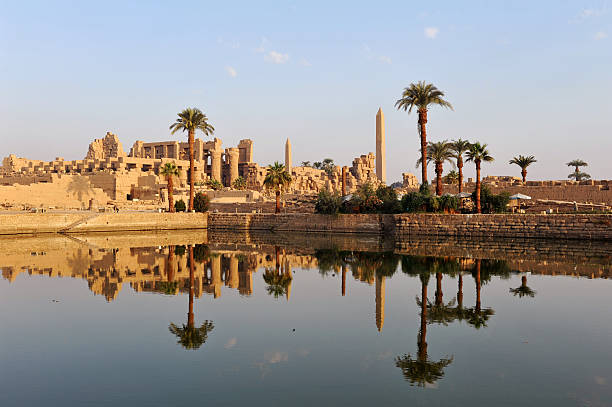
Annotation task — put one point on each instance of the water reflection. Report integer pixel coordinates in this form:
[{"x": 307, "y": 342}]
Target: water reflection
[
  {"x": 453, "y": 297},
  {"x": 188, "y": 335},
  {"x": 421, "y": 370},
  {"x": 278, "y": 281},
  {"x": 523, "y": 290}
]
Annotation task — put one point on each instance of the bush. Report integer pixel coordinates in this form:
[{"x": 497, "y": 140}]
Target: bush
[
  {"x": 424, "y": 189},
  {"x": 449, "y": 203},
  {"x": 179, "y": 250},
  {"x": 180, "y": 206},
  {"x": 492, "y": 203},
  {"x": 389, "y": 201},
  {"x": 328, "y": 202},
  {"x": 414, "y": 202},
  {"x": 239, "y": 183},
  {"x": 214, "y": 184},
  {"x": 201, "y": 202}
]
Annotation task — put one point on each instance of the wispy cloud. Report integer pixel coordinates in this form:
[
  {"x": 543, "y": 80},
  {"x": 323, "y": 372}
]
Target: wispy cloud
[
  {"x": 276, "y": 57},
  {"x": 230, "y": 44},
  {"x": 432, "y": 32},
  {"x": 588, "y": 13},
  {"x": 369, "y": 54},
  {"x": 262, "y": 46},
  {"x": 600, "y": 35},
  {"x": 305, "y": 62},
  {"x": 231, "y": 71}
]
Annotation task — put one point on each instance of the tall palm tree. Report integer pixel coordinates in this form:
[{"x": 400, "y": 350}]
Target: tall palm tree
[
  {"x": 277, "y": 179},
  {"x": 460, "y": 147},
  {"x": 421, "y": 95},
  {"x": 188, "y": 335},
  {"x": 523, "y": 162},
  {"x": 438, "y": 153},
  {"x": 190, "y": 120},
  {"x": 477, "y": 154},
  {"x": 577, "y": 174},
  {"x": 524, "y": 290},
  {"x": 169, "y": 171}
]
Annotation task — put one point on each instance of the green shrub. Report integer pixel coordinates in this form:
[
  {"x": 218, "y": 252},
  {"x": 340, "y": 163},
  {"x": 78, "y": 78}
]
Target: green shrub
[
  {"x": 389, "y": 202},
  {"x": 433, "y": 203},
  {"x": 424, "y": 189},
  {"x": 214, "y": 184},
  {"x": 239, "y": 183},
  {"x": 201, "y": 202},
  {"x": 414, "y": 202},
  {"x": 179, "y": 250},
  {"x": 180, "y": 206},
  {"x": 449, "y": 203},
  {"x": 328, "y": 202},
  {"x": 492, "y": 203}
]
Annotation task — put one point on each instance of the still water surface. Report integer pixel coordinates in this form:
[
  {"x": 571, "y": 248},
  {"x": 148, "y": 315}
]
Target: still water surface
[{"x": 118, "y": 322}]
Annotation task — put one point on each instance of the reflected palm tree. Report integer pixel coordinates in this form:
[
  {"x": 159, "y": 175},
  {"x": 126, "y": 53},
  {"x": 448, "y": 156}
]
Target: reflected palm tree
[
  {"x": 478, "y": 317},
  {"x": 278, "y": 282},
  {"x": 523, "y": 290},
  {"x": 461, "y": 313},
  {"x": 421, "y": 371},
  {"x": 188, "y": 335}
]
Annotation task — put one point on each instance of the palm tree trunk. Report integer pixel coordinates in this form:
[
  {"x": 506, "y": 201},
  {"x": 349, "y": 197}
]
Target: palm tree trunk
[
  {"x": 524, "y": 281},
  {"x": 460, "y": 291},
  {"x": 524, "y": 174},
  {"x": 439, "y": 288},
  {"x": 191, "y": 175},
  {"x": 422, "y": 345},
  {"x": 277, "y": 210},
  {"x": 460, "y": 167},
  {"x": 478, "y": 285},
  {"x": 343, "y": 280},
  {"x": 422, "y": 124},
  {"x": 478, "y": 208},
  {"x": 439, "y": 179},
  {"x": 191, "y": 283},
  {"x": 277, "y": 259},
  {"x": 170, "y": 194}
]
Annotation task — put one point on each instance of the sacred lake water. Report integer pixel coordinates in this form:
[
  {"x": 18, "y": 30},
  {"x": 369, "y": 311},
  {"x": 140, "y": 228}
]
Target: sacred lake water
[{"x": 220, "y": 319}]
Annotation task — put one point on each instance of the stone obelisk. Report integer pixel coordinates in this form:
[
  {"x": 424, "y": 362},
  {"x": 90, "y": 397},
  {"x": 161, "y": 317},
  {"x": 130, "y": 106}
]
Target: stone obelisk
[
  {"x": 288, "y": 156},
  {"x": 381, "y": 170}
]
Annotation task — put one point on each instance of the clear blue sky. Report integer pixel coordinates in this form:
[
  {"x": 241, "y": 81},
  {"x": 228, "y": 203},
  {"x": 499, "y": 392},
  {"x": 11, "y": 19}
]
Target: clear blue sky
[{"x": 525, "y": 77}]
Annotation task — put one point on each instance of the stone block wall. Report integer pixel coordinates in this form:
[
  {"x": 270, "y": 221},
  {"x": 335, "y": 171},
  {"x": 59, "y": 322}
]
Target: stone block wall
[
  {"x": 298, "y": 222},
  {"x": 562, "y": 226}
]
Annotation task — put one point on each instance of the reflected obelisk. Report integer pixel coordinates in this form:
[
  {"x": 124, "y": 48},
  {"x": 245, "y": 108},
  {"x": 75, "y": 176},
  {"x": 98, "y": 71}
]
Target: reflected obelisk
[{"x": 380, "y": 302}]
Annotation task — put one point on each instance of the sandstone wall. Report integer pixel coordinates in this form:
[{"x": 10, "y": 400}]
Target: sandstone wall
[
  {"x": 586, "y": 191},
  {"x": 561, "y": 226},
  {"x": 34, "y": 223},
  {"x": 299, "y": 222}
]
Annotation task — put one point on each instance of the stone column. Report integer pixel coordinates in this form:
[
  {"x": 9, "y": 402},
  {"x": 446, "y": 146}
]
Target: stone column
[
  {"x": 234, "y": 154},
  {"x": 215, "y": 267},
  {"x": 215, "y": 164},
  {"x": 344, "y": 170},
  {"x": 288, "y": 156},
  {"x": 381, "y": 170},
  {"x": 233, "y": 272}
]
